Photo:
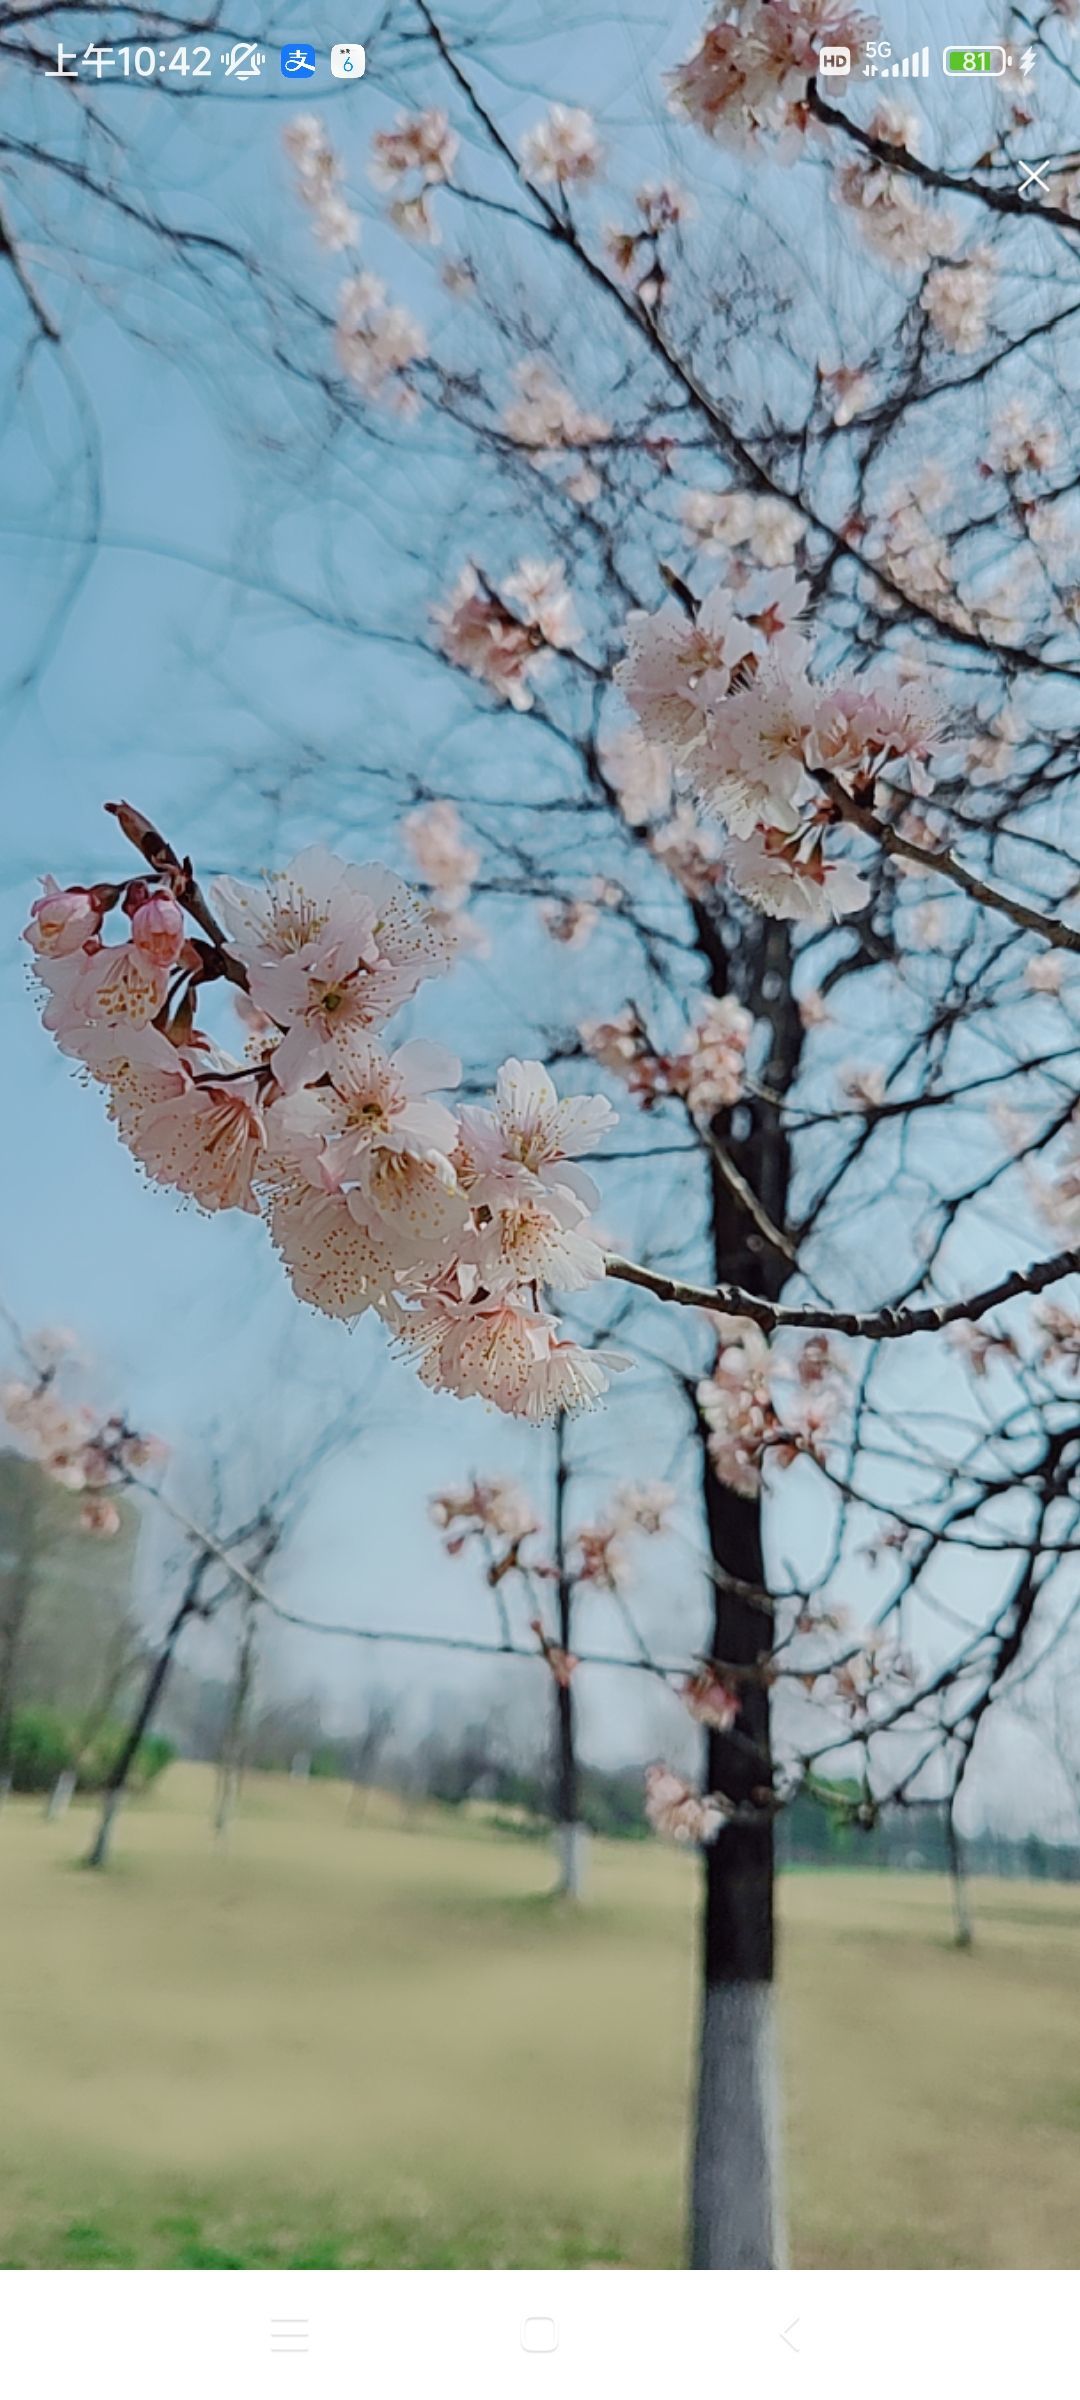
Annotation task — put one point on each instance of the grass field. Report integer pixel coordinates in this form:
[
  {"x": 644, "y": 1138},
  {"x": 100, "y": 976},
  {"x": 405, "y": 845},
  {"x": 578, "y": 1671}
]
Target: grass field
[{"x": 374, "y": 2043}]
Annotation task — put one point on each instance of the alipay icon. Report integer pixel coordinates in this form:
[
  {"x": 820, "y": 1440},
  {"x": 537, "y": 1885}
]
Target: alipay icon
[{"x": 298, "y": 60}]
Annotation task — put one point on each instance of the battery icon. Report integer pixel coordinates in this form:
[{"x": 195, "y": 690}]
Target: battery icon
[{"x": 991, "y": 59}]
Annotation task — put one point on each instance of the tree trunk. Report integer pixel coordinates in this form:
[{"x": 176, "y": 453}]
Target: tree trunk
[
  {"x": 98, "y": 1855},
  {"x": 230, "y": 1764},
  {"x": 735, "y": 2211},
  {"x": 734, "y": 2191},
  {"x": 61, "y": 1795},
  {"x": 963, "y": 1929},
  {"x": 569, "y": 1835}
]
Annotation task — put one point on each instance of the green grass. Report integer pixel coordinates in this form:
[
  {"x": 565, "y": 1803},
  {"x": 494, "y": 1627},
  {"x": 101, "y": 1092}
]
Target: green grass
[{"x": 380, "y": 2043}]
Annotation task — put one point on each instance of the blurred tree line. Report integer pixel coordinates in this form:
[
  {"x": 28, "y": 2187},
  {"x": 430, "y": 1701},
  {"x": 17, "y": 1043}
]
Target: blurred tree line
[{"x": 70, "y": 1641}]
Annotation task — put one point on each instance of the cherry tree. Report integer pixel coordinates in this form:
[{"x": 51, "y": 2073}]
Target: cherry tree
[
  {"x": 741, "y": 653},
  {"x": 553, "y": 1570}
]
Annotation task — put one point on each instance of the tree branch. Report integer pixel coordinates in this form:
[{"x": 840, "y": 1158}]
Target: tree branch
[{"x": 876, "y": 1325}]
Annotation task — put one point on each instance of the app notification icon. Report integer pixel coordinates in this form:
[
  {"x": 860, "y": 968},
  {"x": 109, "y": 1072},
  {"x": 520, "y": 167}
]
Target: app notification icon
[{"x": 348, "y": 60}]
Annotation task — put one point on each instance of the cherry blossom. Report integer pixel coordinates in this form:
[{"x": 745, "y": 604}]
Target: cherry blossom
[
  {"x": 420, "y": 149},
  {"x": 99, "y": 1515},
  {"x": 678, "y": 666},
  {"x": 1059, "y": 1328},
  {"x": 717, "y": 520},
  {"x": 545, "y": 418},
  {"x": 452, "y": 1225},
  {"x": 63, "y": 922},
  {"x": 480, "y": 631},
  {"x": 644, "y": 1507},
  {"x": 448, "y": 863},
  {"x": 502, "y": 1349},
  {"x": 1045, "y": 972},
  {"x": 736, "y": 1403},
  {"x": 201, "y": 1136},
  {"x": 318, "y": 177},
  {"x": 377, "y": 342},
  {"x": 751, "y": 72},
  {"x": 712, "y": 1700},
  {"x": 1018, "y": 445},
  {"x": 538, "y": 587},
  {"x": 496, "y": 1506},
  {"x": 957, "y": 301},
  {"x": 635, "y": 251},
  {"x": 564, "y": 148},
  {"x": 639, "y": 773},
  {"x": 75, "y": 1447},
  {"x": 561, "y": 1662},
  {"x": 533, "y": 1136},
  {"x": 848, "y": 392},
  {"x": 677, "y": 1812},
  {"x": 113, "y": 987},
  {"x": 892, "y": 217},
  {"x": 569, "y": 922},
  {"x": 788, "y": 880},
  {"x": 864, "y": 1086},
  {"x": 979, "y": 1346},
  {"x": 330, "y": 951},
  {"x": 692, "y": 852}
]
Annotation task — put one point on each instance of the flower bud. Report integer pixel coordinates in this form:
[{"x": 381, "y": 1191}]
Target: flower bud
[
  {"x": 157, "y": 929},
  {"x": 61, "y": 921}
]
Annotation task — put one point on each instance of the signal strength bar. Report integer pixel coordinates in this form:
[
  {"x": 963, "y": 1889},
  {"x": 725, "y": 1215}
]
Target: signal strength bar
[{"x": 917, "y": 64}]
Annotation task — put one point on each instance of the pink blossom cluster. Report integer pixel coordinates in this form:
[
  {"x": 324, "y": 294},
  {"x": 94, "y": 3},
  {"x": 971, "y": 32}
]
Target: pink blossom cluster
[
  {"x": 712, "y": 1699},
  {"x": 76, "y": 1448},
  {"x": 600, "y": 1555},
  {"x": 752, "y": 70},
  {"x": 495, "y": 1512},
  {"x": 1019, "y": 445},
  {"x": 378, "y": 342},
  {"x": 726, "y": 688},
  {"x": 545, "y": 419},
  {"x": 980, "y": 1345},
  {"x": 635, "y": 251},
  {"x": 409, "y": 159},
  {"x": 570, "y": 922},
  {"x": 738, "y": 1405},
  {"x": 448, "y": 865},
  {"x": 761, "y": 524},
  {"x": 450, "y": 1224},
  {"x": 893, "y": 218},
  {"x": 957, "y": 301},
  {"x": 639, "y": 773},
  {"x": 563, "y": 148},
  {"x": 707, "y": 1072},
  {"x": 507, "y": 638},
  {"x": 318, "y": 181},
  {"x": 677, "y": 1812},
  {"x": 1059, "y": 1329},
  {"x": 871, "y": 1678}
]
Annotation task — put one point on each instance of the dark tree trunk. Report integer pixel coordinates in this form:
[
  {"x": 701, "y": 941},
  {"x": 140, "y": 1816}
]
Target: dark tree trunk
[
  {"x": 735, "y": 2201},
  {"x": 569, "y": 1834},
  {"x": 98, "y": 1855},
  {"x": 962, "y": 1926}
]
